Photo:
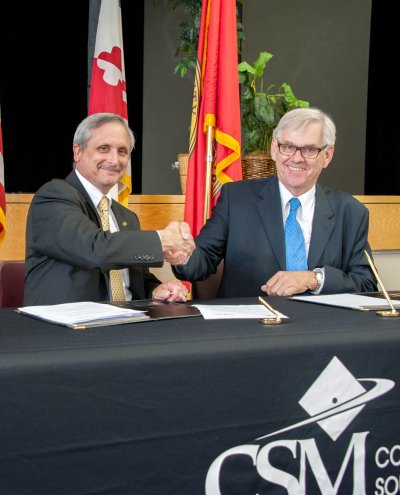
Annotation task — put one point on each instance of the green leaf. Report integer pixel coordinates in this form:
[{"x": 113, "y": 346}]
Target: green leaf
[
  {"x": 291, "y": 99},
  {"x": 248, "y": 95},
  {"x": 259, "y": 64},
  {"x": 246, "y": 67},
  {"x": 263, "y": 110}
]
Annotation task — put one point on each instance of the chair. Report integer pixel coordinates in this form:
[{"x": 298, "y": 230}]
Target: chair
[
  {"x": 12, "y": 281},
  {"x": 208, "y": 289}
]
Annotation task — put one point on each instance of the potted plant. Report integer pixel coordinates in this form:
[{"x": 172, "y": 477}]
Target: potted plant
[{"x": 261, "y": 111}]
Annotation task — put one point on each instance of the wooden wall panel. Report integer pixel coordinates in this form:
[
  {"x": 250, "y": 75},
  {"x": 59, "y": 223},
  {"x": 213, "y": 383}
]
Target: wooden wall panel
[
  {"x": 13, "y": 246},
  {"x": 384, "y": 223},
  {"x": 156, "y": 211}
]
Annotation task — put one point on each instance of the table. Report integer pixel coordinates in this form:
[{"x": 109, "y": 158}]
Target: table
[{"x": 179, "y": 406}]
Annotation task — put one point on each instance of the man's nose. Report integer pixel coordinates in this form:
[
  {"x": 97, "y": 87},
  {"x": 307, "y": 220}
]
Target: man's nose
[
  {"x": 113, "y": 156},
  {"x": 297, "y": 155}
]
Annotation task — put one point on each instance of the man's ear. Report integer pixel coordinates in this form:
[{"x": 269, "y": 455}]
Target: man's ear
[
  {"x": 274, "y": 148},
  {"x": 328, "y": 155},
  {"x": 77, "y": 152}
]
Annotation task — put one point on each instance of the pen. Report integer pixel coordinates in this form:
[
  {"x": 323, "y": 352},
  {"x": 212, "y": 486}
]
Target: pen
[
  {"x": 269, "y": 320},
  {"x": 375, "y": 272}
]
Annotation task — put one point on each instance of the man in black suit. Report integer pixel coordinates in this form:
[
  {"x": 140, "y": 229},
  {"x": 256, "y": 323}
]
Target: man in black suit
[
  {"x": 247, "y": 226},
  {"x": 69, "y": 255}
]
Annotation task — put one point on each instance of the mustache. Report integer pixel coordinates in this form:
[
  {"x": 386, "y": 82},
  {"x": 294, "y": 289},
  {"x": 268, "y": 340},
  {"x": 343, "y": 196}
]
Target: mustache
[{"x": 110, "y": 166}]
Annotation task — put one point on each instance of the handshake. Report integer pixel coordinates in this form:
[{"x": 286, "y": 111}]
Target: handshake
[{"x": 177, "y": 242}]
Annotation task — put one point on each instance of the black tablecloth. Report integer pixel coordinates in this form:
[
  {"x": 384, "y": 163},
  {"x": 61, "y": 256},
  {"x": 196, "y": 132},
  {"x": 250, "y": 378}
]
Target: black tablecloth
[{"x": 179, "y": 406}]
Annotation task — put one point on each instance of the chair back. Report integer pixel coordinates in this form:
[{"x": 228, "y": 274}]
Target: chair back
[
  {"x": 12, "y": 281},
  {"x": 208, "y": 289}
]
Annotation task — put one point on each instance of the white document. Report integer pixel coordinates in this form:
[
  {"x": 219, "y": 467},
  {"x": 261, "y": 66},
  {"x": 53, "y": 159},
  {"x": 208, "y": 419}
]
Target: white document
[
  {"x": 218, "y": 312},
  {"x": 81, "y": 313},
  {"x": 351, "y": 301}
]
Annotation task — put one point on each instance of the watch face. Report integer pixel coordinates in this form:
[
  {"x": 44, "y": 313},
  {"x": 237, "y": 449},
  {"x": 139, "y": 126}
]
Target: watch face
[{"x": 319, "y": 278}]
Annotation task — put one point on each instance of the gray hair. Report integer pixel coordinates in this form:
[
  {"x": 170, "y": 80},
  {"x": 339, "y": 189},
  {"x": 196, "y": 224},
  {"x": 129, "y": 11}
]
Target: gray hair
[
  {"x": 300, "y": 117},
  {"x": 84, "y": 130}
]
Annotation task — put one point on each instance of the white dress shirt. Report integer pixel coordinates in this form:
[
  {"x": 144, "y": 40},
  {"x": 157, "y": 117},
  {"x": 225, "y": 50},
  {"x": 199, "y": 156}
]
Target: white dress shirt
[
  {"x": 95, "y": 196},
  {"x": 305, "y": 216}
]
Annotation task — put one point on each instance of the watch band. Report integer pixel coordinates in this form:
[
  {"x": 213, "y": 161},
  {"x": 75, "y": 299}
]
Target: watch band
[{"x": 319, "y": 277}]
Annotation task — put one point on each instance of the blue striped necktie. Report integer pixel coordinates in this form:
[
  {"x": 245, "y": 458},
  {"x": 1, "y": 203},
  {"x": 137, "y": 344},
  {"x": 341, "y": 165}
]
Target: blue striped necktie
[{"x": 294, "y": 240}]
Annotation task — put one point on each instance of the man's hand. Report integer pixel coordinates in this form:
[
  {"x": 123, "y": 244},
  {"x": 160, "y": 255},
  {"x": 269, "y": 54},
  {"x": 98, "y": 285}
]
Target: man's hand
[
  {"x": 177, "y": 242},
  {"x": 289, "y": 283},
  {"x": 172, "y": 291},
  {"x": 176, "y": 258}
]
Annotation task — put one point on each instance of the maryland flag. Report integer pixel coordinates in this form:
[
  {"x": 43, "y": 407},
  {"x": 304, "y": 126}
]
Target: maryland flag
[
  {"x": 216, "y": 109},
  {"x": 2, "y": 190},
  {"x": 108, "y": 86}
]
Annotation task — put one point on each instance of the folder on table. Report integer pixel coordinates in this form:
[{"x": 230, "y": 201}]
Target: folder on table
[
  {"x": 367, "y": 301},
  {"x": 87, "y": 314}
]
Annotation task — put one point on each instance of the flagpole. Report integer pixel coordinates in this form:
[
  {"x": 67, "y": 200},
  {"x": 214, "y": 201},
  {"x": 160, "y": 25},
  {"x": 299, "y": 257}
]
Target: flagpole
[
  {"x": 108, "y": 85},
  {"x": 2, "y": 190},
  {"x": 209, "y": 164},
  {"x": 214, "y": 145}
]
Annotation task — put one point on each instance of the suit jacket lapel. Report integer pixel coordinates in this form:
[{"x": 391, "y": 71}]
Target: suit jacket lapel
[
  {"x": 72, "y": 179},
  {"x": 323, "y": 224},
  {"x": 270, "y": 211},
  {"x": 119, "y": 213}
]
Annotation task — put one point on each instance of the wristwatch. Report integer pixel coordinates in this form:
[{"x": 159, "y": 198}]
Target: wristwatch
[{"x": 319, "y": 277}]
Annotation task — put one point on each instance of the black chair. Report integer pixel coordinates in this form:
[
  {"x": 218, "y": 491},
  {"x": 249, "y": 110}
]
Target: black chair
[{"x": 12, "y": 281}]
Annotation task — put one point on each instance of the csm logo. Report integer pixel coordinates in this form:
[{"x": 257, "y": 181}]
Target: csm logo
[{"x": 332, "y": 401}]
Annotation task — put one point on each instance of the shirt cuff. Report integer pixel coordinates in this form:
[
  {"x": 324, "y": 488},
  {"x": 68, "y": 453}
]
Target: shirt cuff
[
  {"x": 320, "y": 276},
  {"x": 177, "y": 267}
]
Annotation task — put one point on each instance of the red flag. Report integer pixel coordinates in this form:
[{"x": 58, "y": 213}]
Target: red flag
[
  {"x": 216, "y": 103},
  {"x": 108, "y": 86},
  {"x": 2, "y": 190}
]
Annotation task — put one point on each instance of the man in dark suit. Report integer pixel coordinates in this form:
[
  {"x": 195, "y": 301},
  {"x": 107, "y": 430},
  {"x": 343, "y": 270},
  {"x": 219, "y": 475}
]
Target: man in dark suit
[
  {"x": 69, "y": 255},
  {"x": 247, "y": 226}
]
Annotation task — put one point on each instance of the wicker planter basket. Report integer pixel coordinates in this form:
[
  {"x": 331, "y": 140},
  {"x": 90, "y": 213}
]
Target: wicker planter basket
[
  {"x": 257, "y": 164},
  {"x": 183, "y": 159}
]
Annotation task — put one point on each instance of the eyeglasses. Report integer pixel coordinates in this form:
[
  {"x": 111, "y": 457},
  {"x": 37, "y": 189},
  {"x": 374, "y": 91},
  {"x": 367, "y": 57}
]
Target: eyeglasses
[{"x": 306, "y": 151}]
